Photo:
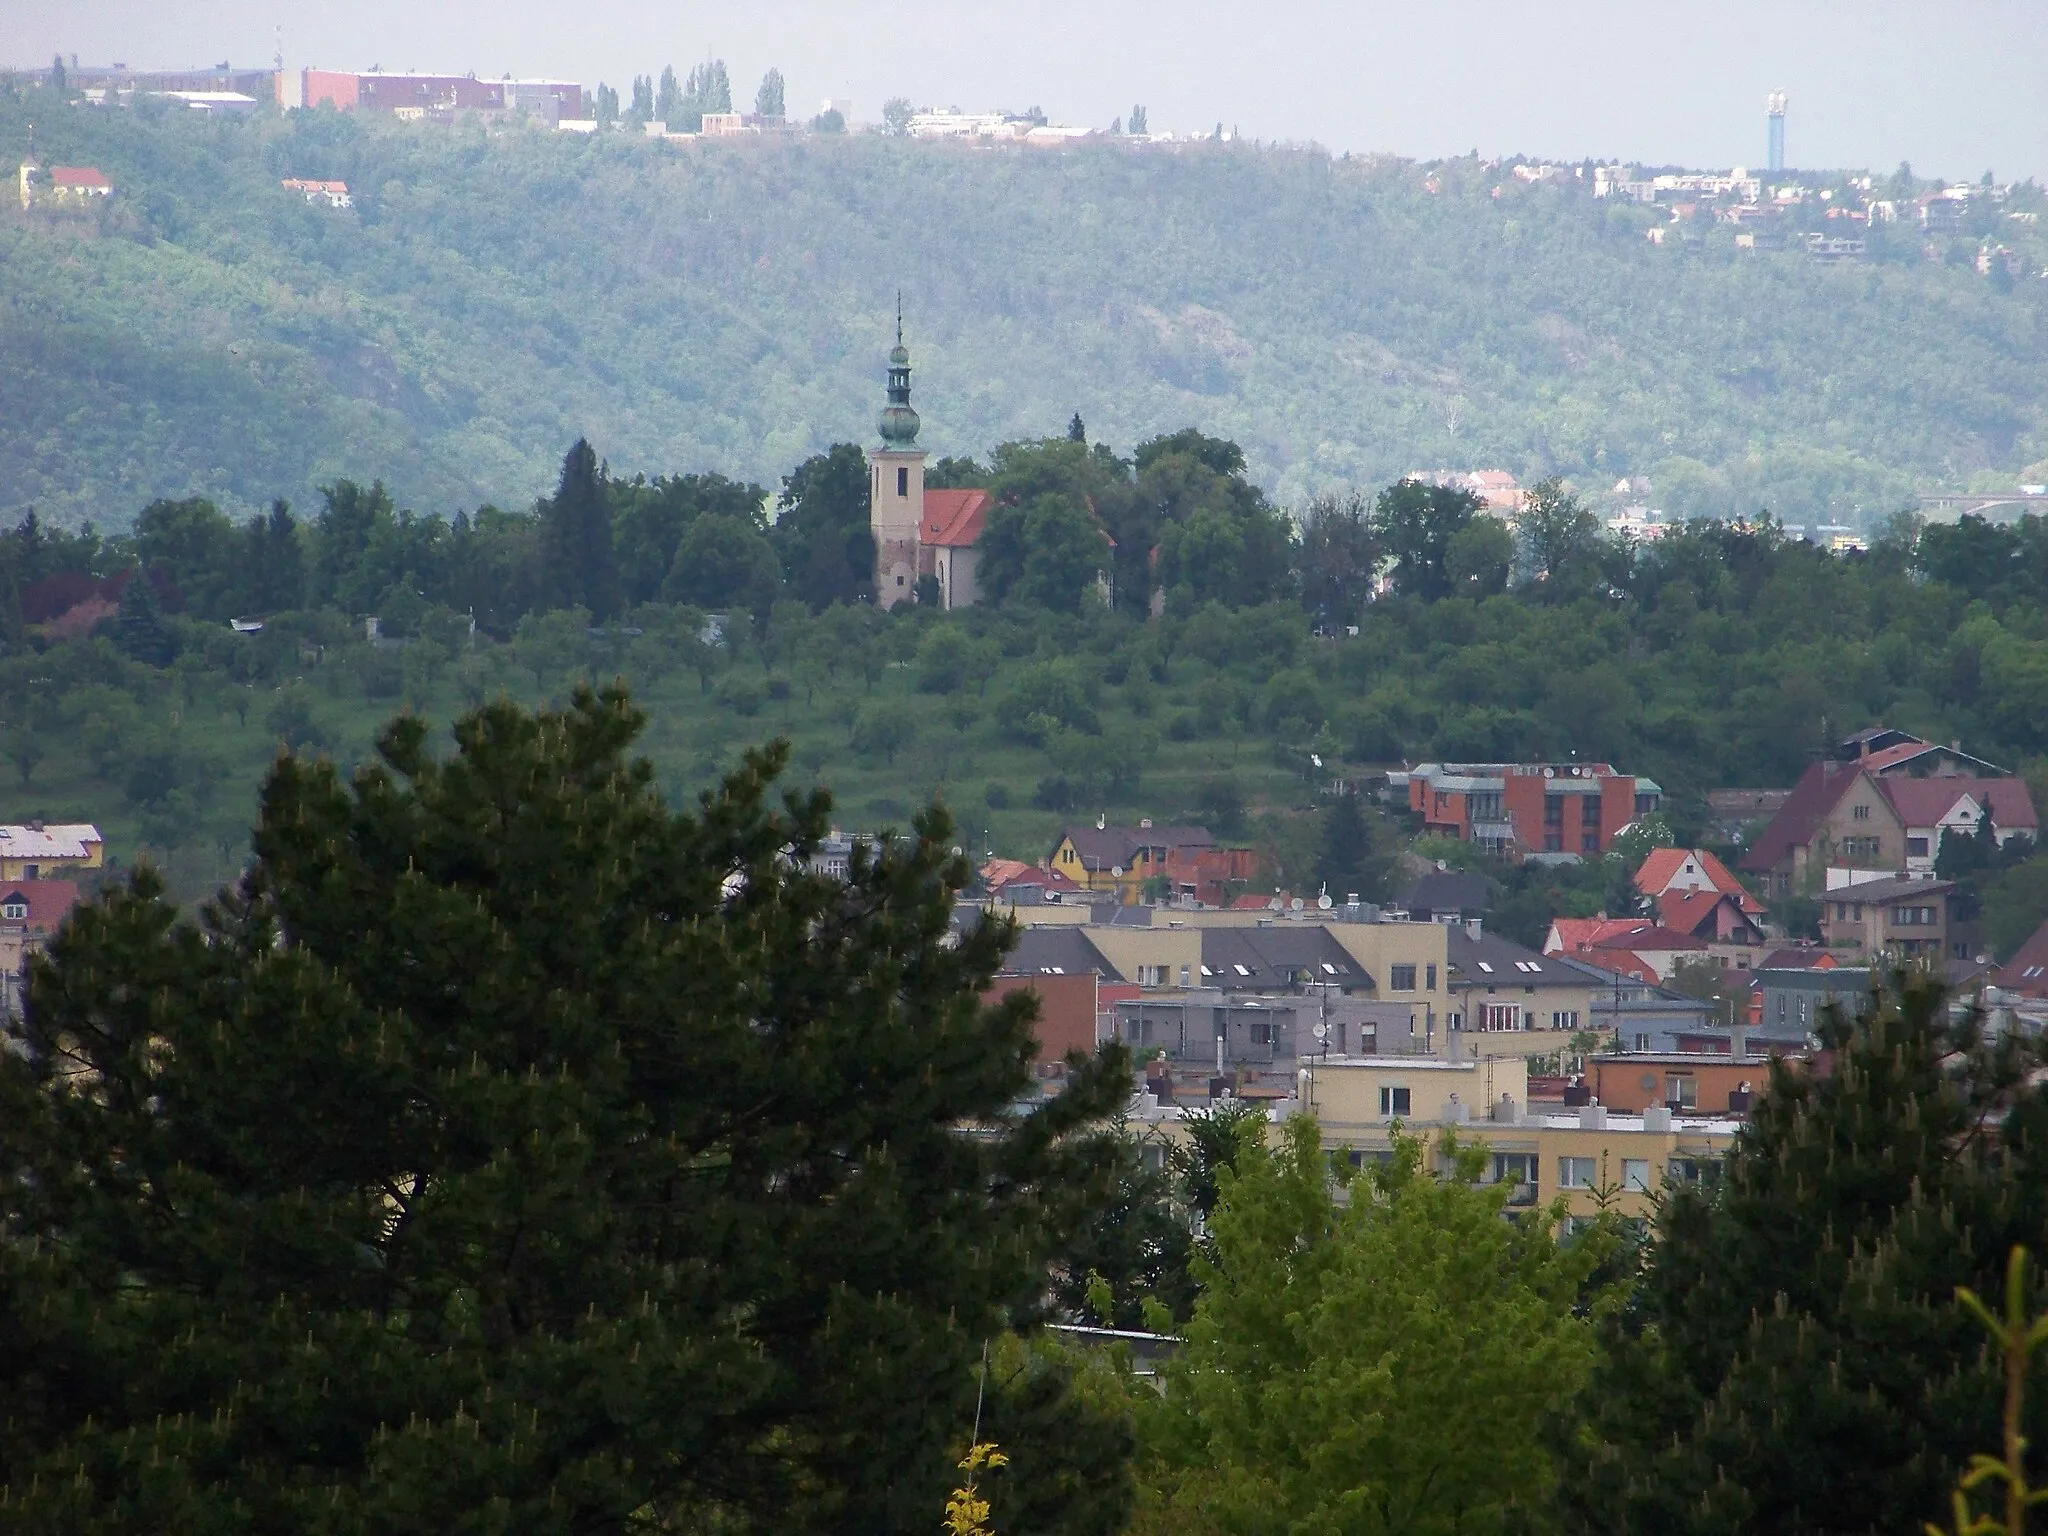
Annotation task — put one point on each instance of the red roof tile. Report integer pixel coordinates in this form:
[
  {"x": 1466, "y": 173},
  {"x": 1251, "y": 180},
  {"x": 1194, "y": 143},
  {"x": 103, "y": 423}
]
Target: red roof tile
[
  {"x": 1811, "y": 799},
  {"x": 2027, "y": 970},
  {"x": 48, "y": 902},
  {"x": 1655, "y": 874},
  {"x": 1923, "y": 802},
  {"x": 953, "y": 518},
  {"x": 79, "y": 176}
]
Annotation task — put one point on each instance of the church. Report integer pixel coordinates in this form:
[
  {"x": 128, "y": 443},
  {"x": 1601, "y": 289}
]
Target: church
[{"x": 921, "y": 537}]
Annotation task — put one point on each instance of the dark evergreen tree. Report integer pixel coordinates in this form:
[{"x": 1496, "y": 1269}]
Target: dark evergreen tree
[
  {"x": 580, "y": 569},
  {"x": 342, "y": 533},
  {"x": 1794, "y": 1361},
  {"x": 768, "y": 97},
  {"x": 1138, "y": 1245},
  {"x": 139, "y": 628},
  {"x": 1347, "y": 862},
  {"x": 1077, "y": 430},
  {"x": 509, "y": 1152},
  {"x": 275, "y": 575}
]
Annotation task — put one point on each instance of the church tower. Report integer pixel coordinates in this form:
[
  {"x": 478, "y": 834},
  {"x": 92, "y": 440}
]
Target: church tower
[{"x": 896, "y": 485}]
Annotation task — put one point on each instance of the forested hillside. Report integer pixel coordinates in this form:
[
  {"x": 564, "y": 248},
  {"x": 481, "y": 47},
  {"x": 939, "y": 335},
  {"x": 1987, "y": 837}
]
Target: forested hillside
[{"x": 724, "y": 306}]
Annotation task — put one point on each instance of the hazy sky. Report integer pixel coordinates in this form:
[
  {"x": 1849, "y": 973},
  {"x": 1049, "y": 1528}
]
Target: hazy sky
[{"x": 1957, "y": 87}]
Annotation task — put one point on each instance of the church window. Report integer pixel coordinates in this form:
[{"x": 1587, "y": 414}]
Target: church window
[{"x": 902, "y": 482}]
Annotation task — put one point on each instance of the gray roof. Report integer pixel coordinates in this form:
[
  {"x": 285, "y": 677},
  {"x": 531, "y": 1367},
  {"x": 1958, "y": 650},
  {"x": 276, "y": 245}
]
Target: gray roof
[
  {"x": 1878, "y": 892},
  {"x": 1449, "y": 891},
  {"x": 1273, "y": 959},
  {"x": 1492, "y": 961},
  {"x": 1112, "y": 847},
  {"x": 1058, "y": 951}
]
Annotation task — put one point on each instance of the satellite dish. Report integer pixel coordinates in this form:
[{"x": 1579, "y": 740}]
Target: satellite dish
[
  {"x": 1296, "y": 904},
  {"x": 1117, "y": 870},
  {"x": 1274, "y": 905},
  {"x": 1323, "y": 903},
  {"x": 1550, "y": 773},
  {"x": 1322, "y": 1031}
]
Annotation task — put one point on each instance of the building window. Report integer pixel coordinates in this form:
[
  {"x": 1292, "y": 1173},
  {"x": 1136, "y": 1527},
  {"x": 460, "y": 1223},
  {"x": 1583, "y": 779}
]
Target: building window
[
  {"x": 1393, "y": 1101},
  {"x": 15, "y": 911},
  {"x": 1589, "y": 811},
  {"x": 1575, "y": 1173},
  {"x": 1681, "y": 1090},
  {"x": 1589, "y": 842},
  {"x": 1262, "y": 1032},
  {"x": 1635, "y": 1175},
  {"x": 1183, "y": 975},
  {"x": 1514, "y": 1168},
  {"x": 1429, "y": 982},
  {"x": 1553, "y": 842},
  {"x": 1553, "y": 810},
  {"x": 1565, "y": 1018},
  {"x": 1916, "y": 847},
  {"x": 1642, "y": 1042},
  {"x": 1694, "y": 1170},
  {"x": 1401, "y": 978},
  {"x": 1645, "y": 804},
  {"x": 1865, "y": 849},
  {"x": 1860, "y": 813},
  {"x": 902, "y": 482},
  {"x": 1497, "y": 1017}
]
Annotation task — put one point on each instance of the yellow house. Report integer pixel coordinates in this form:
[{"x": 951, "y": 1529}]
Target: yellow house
[
  {"x": 1590, "y": 1156},
  {"x": 33, "y": 851},
  {"x": 1124, "y": 859}
]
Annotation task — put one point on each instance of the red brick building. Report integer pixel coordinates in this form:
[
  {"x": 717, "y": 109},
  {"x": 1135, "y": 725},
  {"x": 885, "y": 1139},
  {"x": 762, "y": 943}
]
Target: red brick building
[{"x": 1516, "y": 809}]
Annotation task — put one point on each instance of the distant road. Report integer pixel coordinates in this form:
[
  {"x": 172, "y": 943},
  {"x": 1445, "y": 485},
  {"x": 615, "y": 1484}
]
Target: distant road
[{"x": 1949, "y": 504}]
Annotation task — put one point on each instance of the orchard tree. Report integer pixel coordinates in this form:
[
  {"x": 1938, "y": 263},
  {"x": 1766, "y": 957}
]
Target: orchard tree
[{"x": 511, "y": 1152}]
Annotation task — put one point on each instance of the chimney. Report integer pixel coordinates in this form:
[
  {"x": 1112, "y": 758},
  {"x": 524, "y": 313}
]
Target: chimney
[
  {"x": 1145, "y": 822},
  {"x": 1473, "y": 925}
]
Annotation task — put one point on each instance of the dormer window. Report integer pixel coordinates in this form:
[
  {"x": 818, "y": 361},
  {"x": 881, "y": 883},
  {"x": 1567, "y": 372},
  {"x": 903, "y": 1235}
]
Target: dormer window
[{"x": 14, "y": 910}]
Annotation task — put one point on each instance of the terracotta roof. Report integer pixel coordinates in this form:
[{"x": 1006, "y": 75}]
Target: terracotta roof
[
  {"x": 2027, "y": 970},
  {"x": 1924, "y": 802},
  {"x": 953, "y": 518},
  {"x": 1654, "y": 876},
  {"x": 1685, "y": 911},
  {"x": 1623, "y": 933},
  {"x": 1800, "y": 957},
  {"x": 79, "y": 176},
  {"x": 49, "y": 902}
]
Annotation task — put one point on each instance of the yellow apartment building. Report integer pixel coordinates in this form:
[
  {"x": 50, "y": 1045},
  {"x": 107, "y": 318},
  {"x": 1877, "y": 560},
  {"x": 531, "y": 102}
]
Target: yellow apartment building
[{"x": 1589, "y": 1156}]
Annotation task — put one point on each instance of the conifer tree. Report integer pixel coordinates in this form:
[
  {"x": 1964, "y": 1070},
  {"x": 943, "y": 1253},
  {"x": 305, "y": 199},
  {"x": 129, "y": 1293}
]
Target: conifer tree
[
  {"x": 1346, "y": 862},
  {"x": 1794, "y": 1361},
  {"x": 139, "y": 624},
  {"x": 768, "y": 100},
  {"x": 509, "y": 1152},
  {"x": 576, "y": 542}
]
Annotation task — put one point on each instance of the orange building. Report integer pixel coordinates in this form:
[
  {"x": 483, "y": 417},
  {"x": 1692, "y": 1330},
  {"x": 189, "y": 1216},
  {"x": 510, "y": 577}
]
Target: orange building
[
  {"x": 1684, "y": 1081},
  {"x": 1516, "y": 809}
]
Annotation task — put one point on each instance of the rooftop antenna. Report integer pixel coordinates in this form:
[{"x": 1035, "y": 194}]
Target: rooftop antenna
[{"x": 899, "y": 317}]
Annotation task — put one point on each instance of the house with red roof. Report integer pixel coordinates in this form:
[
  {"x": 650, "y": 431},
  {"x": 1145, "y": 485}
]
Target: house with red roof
[
  {"x": 1882, "y": 800},
  {"x": 30, "y": 911},
  {"x": 1632, "y": 946},
  {"x": 79, "y": 185},
  {"x": 1688, "y": 871},
  {"x": 2027, "y": 971},
  {"x": 949, "y": 535}
]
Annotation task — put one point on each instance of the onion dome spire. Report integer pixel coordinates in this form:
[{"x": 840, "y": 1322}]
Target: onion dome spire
[{"x": 898, "y": 423}]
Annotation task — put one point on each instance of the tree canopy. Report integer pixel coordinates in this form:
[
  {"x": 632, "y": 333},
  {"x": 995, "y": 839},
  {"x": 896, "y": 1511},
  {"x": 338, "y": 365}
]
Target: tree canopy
[{"x": 511, "y": 1151}]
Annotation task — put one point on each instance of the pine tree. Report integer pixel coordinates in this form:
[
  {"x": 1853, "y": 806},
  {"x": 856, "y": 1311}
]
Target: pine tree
[
  {"x": 768, "y": 100},
  {"x": 1138, "y": 129},
  {"x": 1077, "y": 429},
  {"x": 668, "y": 102},
  {"x": 508, "y": 1151},
  {"x": 139, "y": 629},
  {"x": 1347, "y": 863},
  {"x": 579, "y": 568},
  {"x": 1794, "y": 1361}
]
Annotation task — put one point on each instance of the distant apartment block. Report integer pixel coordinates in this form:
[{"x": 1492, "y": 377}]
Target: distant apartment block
[
  {"x": 100, "y": 82},
  {"x": 1517, "y": 809},
  {"x": 439, "y": 95}
]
